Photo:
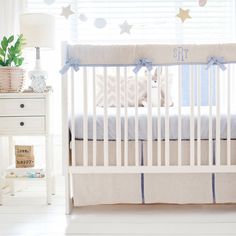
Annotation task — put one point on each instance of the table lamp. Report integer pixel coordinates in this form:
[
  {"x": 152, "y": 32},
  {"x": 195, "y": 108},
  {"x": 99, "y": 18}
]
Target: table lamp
[{"x": 38, "y": 30}]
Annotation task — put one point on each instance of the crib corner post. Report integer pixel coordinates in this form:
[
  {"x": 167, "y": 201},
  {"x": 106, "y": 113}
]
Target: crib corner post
[
  {"x": 68, "y": 206},
  {"x": 65, "y": 132}
]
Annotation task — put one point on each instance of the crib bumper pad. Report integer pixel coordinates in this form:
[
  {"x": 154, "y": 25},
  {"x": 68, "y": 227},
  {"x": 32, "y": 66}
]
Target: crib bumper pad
[{"x": 118, "y": 55}]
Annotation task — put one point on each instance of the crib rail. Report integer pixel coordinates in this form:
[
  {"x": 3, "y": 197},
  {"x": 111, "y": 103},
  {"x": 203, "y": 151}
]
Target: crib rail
[
  {"x": 122, "y": 152},
  {"x": 163, "y": 133}
]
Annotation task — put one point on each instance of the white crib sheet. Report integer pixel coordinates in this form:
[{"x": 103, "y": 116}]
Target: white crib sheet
[{"x": 142, "y": 117}]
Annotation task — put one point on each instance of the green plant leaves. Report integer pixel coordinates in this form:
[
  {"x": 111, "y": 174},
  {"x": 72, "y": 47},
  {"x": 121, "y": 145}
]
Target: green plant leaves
[
  {"x": 10, "y": 52},
  {"x": 4, "y": 43},
  {"x": 1, "y": 62},
  {"x": 2, "y": 53},
  {"x": 11, "y": 39},
  {"x": 18, "y": 61}
]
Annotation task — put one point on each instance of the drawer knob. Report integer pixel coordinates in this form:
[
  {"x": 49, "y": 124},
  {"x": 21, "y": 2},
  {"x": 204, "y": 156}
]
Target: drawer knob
[
  {"x": 22, "y": 105},
  {"x": 22, "y": 123}
]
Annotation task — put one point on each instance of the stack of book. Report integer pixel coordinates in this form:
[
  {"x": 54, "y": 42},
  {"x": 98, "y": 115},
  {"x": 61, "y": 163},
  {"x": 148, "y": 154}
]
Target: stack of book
[{"x": 24, "y": 156}]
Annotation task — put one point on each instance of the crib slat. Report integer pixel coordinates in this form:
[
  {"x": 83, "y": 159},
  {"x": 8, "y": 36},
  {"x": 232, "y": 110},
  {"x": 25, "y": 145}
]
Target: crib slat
[
  {"x": 199, "y": 115},
  {"x": 159, "y": 122},
  {"x": 85, "y": 119},
  {"x": 136, "y": 122},
  {"x": 167, "y": 120},
  {"x": 105, "y": 131},
  {"x": 118, "y": 126},
  {"x": 180, "y": 68},
  {"x": 126, "y": 120},
  {"x": 72, "y": 118},
  {"x": 191, "y": 115},
  {"x": 229, "y": 117},
  {"x": 94, "y": 119},
  {"x": 149, "y": 123},
  {"x": 218, "y": 116},
  {"x": 210, "y": 154}
]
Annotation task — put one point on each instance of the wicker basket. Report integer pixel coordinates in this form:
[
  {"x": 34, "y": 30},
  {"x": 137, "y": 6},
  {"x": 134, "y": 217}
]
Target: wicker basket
[{"x": 11, "y": 79}]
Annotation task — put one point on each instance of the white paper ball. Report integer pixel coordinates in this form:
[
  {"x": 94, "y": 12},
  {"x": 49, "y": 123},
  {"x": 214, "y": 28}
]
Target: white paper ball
[
  {"x": 83, "y": 17},
  {"x": 49, "y": 2},
  {"x": 100, "y": 23},
  {"x": 202, "y": 3}
]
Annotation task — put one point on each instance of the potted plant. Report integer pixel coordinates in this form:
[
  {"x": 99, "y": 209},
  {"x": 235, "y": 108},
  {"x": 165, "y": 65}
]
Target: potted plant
[{"x": 11, "y": 74}]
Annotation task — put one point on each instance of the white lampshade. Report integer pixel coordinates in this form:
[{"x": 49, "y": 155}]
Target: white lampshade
[{"x": 38, "y": 29}]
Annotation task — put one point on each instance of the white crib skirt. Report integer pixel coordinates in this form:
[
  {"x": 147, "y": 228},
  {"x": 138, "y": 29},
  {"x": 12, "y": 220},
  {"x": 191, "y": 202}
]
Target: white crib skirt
[
  {"x": 153, "y": 188},
  {"x": 225, "y": 188},
  {"x": 106, "y": 189}
]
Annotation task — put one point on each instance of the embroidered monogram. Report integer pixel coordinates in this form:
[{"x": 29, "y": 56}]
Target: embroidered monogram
[{"x": 180, "y": 53}]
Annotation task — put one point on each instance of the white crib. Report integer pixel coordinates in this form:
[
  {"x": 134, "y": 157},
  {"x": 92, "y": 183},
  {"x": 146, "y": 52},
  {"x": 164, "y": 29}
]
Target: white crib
[{"x": 175, "y": 138}]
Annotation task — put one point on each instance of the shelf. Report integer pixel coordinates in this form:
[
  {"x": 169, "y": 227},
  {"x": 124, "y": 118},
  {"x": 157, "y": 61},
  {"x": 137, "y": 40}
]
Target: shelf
[
  {"x": 20, "y": 170},
  {"x": 23, "y": 173},
  {"x": 24, "y": 178},
  {"x": 36, "y": 116}
]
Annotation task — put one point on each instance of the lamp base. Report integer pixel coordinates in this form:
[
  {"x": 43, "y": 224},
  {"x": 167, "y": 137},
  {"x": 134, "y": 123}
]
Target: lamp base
[{"x": 38, "y": 80}]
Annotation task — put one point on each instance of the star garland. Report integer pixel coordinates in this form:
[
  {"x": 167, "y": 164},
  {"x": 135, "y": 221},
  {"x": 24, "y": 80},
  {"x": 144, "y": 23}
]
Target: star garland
[{"x": 125, "y": 27}]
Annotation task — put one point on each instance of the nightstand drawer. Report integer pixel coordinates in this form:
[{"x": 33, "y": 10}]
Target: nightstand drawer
[
  {"x": 22, "y": 107},
  {"x": 22, "y": 125}
]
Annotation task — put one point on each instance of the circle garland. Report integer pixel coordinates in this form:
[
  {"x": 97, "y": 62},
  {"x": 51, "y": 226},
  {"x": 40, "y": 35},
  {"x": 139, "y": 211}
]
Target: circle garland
[{"x": 101, "y": 23}]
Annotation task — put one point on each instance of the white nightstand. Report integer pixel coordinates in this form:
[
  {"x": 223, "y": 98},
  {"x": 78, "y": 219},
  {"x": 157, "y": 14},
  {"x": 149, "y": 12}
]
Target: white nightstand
[{"x": 28, "y": 114}]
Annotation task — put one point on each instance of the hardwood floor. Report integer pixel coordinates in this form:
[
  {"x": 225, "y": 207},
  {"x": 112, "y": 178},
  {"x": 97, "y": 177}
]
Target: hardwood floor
[{"x": 26, "y": 214}]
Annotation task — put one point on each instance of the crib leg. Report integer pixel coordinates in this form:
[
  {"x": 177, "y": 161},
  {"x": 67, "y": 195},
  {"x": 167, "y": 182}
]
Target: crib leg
[
  {"x": 1, "y": 191},
  {"x": 53, "y": 185},
  {"x": 12, "y": 187},
  {"x": 68, "y": 194}
]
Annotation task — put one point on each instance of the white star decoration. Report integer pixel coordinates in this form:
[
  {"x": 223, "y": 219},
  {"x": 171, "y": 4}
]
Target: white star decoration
[
  {"x": 66, "y": 11},
  {"x": 125, "y": 28}
]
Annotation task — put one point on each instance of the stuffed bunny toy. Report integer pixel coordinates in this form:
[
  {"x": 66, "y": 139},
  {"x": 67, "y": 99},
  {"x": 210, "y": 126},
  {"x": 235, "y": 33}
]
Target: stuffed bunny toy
[{"x": 158, "y": 80}]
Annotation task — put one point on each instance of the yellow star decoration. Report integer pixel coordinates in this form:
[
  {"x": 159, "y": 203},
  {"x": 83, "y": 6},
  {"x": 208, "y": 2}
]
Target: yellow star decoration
[{"x": 183, "y": 14}]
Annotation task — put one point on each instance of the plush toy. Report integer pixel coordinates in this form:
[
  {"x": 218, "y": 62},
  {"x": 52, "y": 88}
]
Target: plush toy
[{"x": 159, "y": 81}]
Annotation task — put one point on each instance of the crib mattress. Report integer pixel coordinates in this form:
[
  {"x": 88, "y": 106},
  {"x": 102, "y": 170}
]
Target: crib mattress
[{"x": 142, "y": 127}]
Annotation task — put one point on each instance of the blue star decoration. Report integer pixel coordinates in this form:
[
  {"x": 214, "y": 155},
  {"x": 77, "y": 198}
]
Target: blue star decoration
[
  {"x": 66, "y": 11},
  {"x": 125, "y": 28}
]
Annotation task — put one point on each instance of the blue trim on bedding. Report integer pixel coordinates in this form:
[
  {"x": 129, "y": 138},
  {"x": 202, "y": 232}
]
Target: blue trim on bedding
[
  {"x": 213, "y": 183},
  {"x": 213, "y": 188},
  {"x": 142, "y": 187},
  {"x": 142, "y": 176}
]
